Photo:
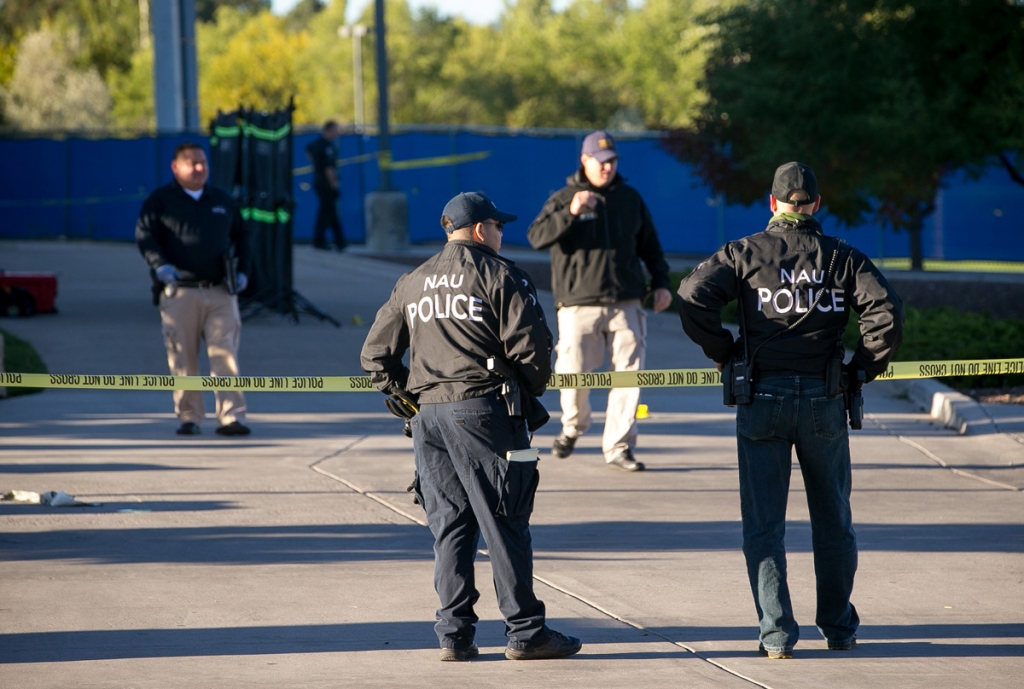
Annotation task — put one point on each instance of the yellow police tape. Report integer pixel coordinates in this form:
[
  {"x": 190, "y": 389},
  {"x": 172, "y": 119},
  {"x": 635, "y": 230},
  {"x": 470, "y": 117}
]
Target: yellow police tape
[{"x": 664, "y": 378}]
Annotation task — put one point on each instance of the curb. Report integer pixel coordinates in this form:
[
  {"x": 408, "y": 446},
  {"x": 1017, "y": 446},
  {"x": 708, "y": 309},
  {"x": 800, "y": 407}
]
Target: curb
[{"x": 954, "y": 409}]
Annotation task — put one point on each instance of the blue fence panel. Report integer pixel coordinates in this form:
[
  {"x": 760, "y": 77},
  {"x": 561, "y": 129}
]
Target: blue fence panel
[
  {"x": 32, "y": 187},
  {"x": 93, "y": 188},
  {"x": 981, "y": 219}
]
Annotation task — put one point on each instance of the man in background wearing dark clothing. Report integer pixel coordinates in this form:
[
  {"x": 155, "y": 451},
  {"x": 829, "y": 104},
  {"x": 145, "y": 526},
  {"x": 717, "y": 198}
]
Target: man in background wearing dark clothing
[
  {"x": 324, "y": 155},
  {"x": 191, "y": 235}
]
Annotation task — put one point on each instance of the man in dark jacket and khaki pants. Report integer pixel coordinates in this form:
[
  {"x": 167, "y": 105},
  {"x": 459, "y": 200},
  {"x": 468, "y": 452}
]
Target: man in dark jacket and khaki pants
[{"x": 598, "y": 230}]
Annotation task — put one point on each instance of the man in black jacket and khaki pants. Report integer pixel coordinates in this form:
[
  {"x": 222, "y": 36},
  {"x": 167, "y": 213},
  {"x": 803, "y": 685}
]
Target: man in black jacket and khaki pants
[
  {"x": 598, "y": 230},
  {"x": 188, "y": 233}
]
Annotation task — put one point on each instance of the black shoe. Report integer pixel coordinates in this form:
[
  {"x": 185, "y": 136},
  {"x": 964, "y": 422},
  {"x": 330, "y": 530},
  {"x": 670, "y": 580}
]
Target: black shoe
[
  {"x": 458, "y": 655},
  {"x": 322, "y": 247},
  {"x": 624, "y": 460},
  {"x": 233, "y": 428},
  {"x": 557, "y": 646},
  {"x": 563, "y": 446},
  {"x": 774, "y": 655},
  {"x": 843, "y": 645},
  {"x": 188, "y": 428}
]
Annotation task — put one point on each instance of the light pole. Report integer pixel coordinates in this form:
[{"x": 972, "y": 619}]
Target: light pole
[
  {"x": 387, "y": 210},
  {"x": 356, "y": 31}
]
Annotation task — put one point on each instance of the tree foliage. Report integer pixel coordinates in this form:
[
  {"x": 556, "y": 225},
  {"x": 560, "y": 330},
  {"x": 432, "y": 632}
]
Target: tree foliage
[
  {"x": 206, "y": 10},
  {"x": 48, "y": 91},
  {"x": 596, "y": 63},
  {"x": 884, "y": 98}
]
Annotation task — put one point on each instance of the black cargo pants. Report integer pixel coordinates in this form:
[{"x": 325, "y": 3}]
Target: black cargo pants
[{"x": 468, "y": 488}]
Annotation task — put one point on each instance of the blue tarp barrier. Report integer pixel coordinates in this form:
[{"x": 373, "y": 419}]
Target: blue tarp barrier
[{"x": 92, "y": 188}]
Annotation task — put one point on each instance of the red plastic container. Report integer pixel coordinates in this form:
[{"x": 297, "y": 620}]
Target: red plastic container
[{"x": 42, "y": 286}]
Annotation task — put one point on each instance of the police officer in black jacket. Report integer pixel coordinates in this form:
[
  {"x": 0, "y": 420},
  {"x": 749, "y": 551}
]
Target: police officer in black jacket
[
  {"x": 193, "y": 238},
  {"x": 323, "y": 154},
  {"x": 795, "y": 287},
  {"x": 475, "y": 473}
]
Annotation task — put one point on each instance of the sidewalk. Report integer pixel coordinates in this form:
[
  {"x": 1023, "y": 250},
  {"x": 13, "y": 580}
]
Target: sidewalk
[{"x": 294, "y": 557}]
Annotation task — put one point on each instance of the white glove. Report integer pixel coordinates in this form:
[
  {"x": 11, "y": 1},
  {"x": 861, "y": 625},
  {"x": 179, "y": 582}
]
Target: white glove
[
  {"x": 241, "y": 282},
  {"x": 167, "y": 274}
]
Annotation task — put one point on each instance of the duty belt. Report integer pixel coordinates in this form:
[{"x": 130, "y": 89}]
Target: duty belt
[{"x": 202, "y": 284}]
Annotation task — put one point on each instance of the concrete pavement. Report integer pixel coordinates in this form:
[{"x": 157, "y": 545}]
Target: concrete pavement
[{"x": 295, "y": 556}]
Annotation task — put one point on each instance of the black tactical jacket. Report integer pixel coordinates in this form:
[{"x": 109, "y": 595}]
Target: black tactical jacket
[
  {"x": 595, "y": 257},
  {"x": 777, "y": 275},
  {"x": 460, "y": 307},
  {"x": 193, "y": 236},
  {"x": 324, "y": 156}
]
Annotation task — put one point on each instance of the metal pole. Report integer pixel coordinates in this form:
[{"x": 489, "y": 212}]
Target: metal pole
[
  {"x": 384, "y": 155},
  {"x": 357, "y": 76},
  {"x": 356, "y": 32}
]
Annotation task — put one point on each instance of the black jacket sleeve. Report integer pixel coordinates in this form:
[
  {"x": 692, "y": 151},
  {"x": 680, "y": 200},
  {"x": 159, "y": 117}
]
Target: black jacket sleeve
[
  {"x": 240, "y": 239},
  {"x": 881, "y": 315},
  {"x": 553, "y": 222},
  {"x": 702, "y": 294},
  {"x": 147, "y": 232},
  {"x": 524, "y": 331},
  {"x": 385, "y": 345},
  {"x": 648, "y": 248}
]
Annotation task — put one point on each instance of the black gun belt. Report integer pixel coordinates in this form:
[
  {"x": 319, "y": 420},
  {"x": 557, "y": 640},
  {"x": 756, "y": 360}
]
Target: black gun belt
[
  {"x": 769, "y": 375},
  {"x": 203, "y": 284}
]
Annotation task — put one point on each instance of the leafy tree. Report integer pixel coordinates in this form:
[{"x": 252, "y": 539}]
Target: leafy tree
[
  {"x": 884, "y": 98},
  {"x": 259, "y": 66},
  {"x": 206, "y": 10},
  {"x": 132, "y": 94},
  {"x": 49, "y": 92},
  {"x": 300, "y": 15}
]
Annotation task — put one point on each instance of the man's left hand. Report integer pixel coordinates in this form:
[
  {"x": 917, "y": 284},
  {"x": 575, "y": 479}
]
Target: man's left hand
[
  {"x": 662, "y": 299},
  {"x": 241, "y": 282}
]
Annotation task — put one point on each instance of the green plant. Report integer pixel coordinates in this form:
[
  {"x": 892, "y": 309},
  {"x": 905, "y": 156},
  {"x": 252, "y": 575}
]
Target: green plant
[{"x": 21, "y": 357}]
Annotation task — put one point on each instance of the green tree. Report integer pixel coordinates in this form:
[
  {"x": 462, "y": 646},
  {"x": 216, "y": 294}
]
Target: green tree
[
  {"x": 48, "y": 91},
  {"x": 131, "y": 93},
  {"x": 298, "y": 17},
  {"x": 259, "y": 67},
  {"x": 206, "y": 10},
  {"x": 884, "y": 98}
]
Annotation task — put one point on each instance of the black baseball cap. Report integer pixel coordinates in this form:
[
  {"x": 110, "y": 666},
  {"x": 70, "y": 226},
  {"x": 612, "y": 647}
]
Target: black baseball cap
[
  {"x": 600, "y": 145},
  {"x": 469, "y": 208},
  {"x": 794, "y": 177}
]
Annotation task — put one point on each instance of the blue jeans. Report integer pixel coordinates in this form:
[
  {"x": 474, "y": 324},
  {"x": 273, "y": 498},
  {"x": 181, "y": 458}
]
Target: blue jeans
[
  {"x": 468, "y": 488},
  {"x": 787, "y": 413}
]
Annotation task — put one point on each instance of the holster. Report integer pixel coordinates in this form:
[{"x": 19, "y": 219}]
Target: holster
[
  {"x": 853, "y": 397},
  {"x": 736, "y": 388},
  {"x": 513, "y": 398}
]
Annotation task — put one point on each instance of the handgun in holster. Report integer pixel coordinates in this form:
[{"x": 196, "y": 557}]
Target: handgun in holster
[
  {"x": 853, "y": 396},
  {"x": 510, "y": 391}
]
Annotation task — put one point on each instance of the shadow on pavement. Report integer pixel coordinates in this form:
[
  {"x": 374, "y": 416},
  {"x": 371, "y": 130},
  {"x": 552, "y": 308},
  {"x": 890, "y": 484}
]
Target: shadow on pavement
[{"x": 65, "y": 646}]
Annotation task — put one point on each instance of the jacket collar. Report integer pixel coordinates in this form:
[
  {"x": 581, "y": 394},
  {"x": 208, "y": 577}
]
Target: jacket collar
[
  {"x": 470, "y": 244},
  {"x": 800, "y": 222}
]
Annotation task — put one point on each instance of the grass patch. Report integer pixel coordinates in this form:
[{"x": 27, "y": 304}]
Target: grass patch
[{"x": 21, "y": 357}]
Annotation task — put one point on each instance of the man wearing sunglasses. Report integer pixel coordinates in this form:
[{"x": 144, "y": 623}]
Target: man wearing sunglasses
[{"x": 464, "y": 314}]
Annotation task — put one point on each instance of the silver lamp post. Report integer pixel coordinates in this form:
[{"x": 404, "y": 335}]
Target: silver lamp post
[{"x": 356, "y": 33}]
